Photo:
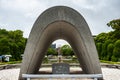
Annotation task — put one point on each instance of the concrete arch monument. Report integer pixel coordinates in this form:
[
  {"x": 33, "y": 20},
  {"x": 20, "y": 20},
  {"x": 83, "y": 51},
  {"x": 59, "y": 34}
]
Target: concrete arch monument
[{"x": 60, "y": 22}]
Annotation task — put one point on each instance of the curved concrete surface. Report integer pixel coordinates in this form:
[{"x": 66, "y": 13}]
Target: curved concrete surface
[{"x": 60, "y": 22}]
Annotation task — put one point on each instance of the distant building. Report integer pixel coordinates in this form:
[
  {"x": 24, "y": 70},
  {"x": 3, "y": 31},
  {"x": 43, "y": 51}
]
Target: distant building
[{"x": 53, "y": 46}]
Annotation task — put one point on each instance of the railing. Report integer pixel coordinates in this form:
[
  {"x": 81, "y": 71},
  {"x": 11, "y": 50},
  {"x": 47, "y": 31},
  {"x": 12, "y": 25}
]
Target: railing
[{"x": 62, "y": 76}]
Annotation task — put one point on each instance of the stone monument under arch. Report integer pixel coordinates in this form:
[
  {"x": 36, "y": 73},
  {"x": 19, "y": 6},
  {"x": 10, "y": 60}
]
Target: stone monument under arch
[{"x": 60, "y": 22}]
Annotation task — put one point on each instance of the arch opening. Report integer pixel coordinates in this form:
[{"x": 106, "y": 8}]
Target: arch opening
[
  {"x": 60, "y": 42},
  {"x": 59, "y": 30}
]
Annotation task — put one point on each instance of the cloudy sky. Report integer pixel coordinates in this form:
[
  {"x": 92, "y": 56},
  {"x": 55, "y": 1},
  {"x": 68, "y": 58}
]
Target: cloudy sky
[{"x": 21, "y": 14}]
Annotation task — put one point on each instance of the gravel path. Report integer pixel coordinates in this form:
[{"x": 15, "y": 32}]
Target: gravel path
[{"x": 12, "y": 74}]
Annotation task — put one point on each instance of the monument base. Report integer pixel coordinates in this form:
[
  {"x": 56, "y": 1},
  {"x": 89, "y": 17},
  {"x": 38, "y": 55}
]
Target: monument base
[{"x": 60, "y": 68}]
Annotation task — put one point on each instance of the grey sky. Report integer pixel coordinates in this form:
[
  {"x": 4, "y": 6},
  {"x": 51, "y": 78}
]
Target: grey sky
[{"x": 21, "y": 14}]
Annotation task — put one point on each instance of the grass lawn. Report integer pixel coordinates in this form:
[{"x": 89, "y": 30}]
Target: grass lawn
[
  {"x": 109, "y": 62},
  {"x": 102, "y": 61},
  {"x": 11, "y": 62}
]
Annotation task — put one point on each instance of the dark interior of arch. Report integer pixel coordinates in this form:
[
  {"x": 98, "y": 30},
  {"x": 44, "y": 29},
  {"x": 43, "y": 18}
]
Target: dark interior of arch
[{"x": 60, "y": 22}]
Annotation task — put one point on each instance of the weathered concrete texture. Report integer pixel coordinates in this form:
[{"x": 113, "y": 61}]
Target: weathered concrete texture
[
  {"x": 60, "y": 23},
  {"x": 60, "y": 68}
]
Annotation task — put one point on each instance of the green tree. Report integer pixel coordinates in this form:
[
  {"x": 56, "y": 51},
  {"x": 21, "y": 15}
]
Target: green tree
[
  {"x": 114, "y": 24},
  {"x": 99, "y": 48},
  {"x": 17, "y": 44},
  {"x": 12, "y": 42},
  {"x": 3, "y": 33},
  {"x": 4, "y": 46},
  {"x": 104, "y": 49},
  {"x": 14, "y": 51},
  {"x": 110, "y": 48},
  {"x": 67, "y": 50},
  {"x": 116, "y": 51},
  {"x": 102, "y": 37},
  {"x": 51, "y": 51},
  {"x": 109, "y": 41}
]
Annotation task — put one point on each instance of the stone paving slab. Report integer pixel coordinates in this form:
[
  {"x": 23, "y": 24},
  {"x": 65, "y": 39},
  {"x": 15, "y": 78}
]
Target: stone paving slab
[{"x": 108, "y": 73}]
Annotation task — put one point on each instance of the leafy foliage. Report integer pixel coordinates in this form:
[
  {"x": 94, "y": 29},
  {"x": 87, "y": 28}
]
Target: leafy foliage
[
  {"x": 12, "y": 43},
  {"x": 51, "y": 51},
  {"x": 110, "y": 48},
  {"x": 67, "y": 50},
  {"x": 108, "y": 44},
  {"x": 114, "y": 24},
  {"x": 99, "y": 48},
  {"x": 116, "y": 51}
]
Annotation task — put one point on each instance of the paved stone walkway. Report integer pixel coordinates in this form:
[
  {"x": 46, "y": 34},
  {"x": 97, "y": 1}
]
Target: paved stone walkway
[{"x": 12, "y": 74}]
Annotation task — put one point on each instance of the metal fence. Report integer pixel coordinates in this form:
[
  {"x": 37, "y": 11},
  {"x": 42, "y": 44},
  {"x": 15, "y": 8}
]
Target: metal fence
[{"x": 62, "y": 76}]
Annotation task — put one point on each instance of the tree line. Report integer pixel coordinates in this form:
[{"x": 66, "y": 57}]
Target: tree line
[
  {"x": 12, "y": 43},
  {"x": 107, "y": 44}
]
